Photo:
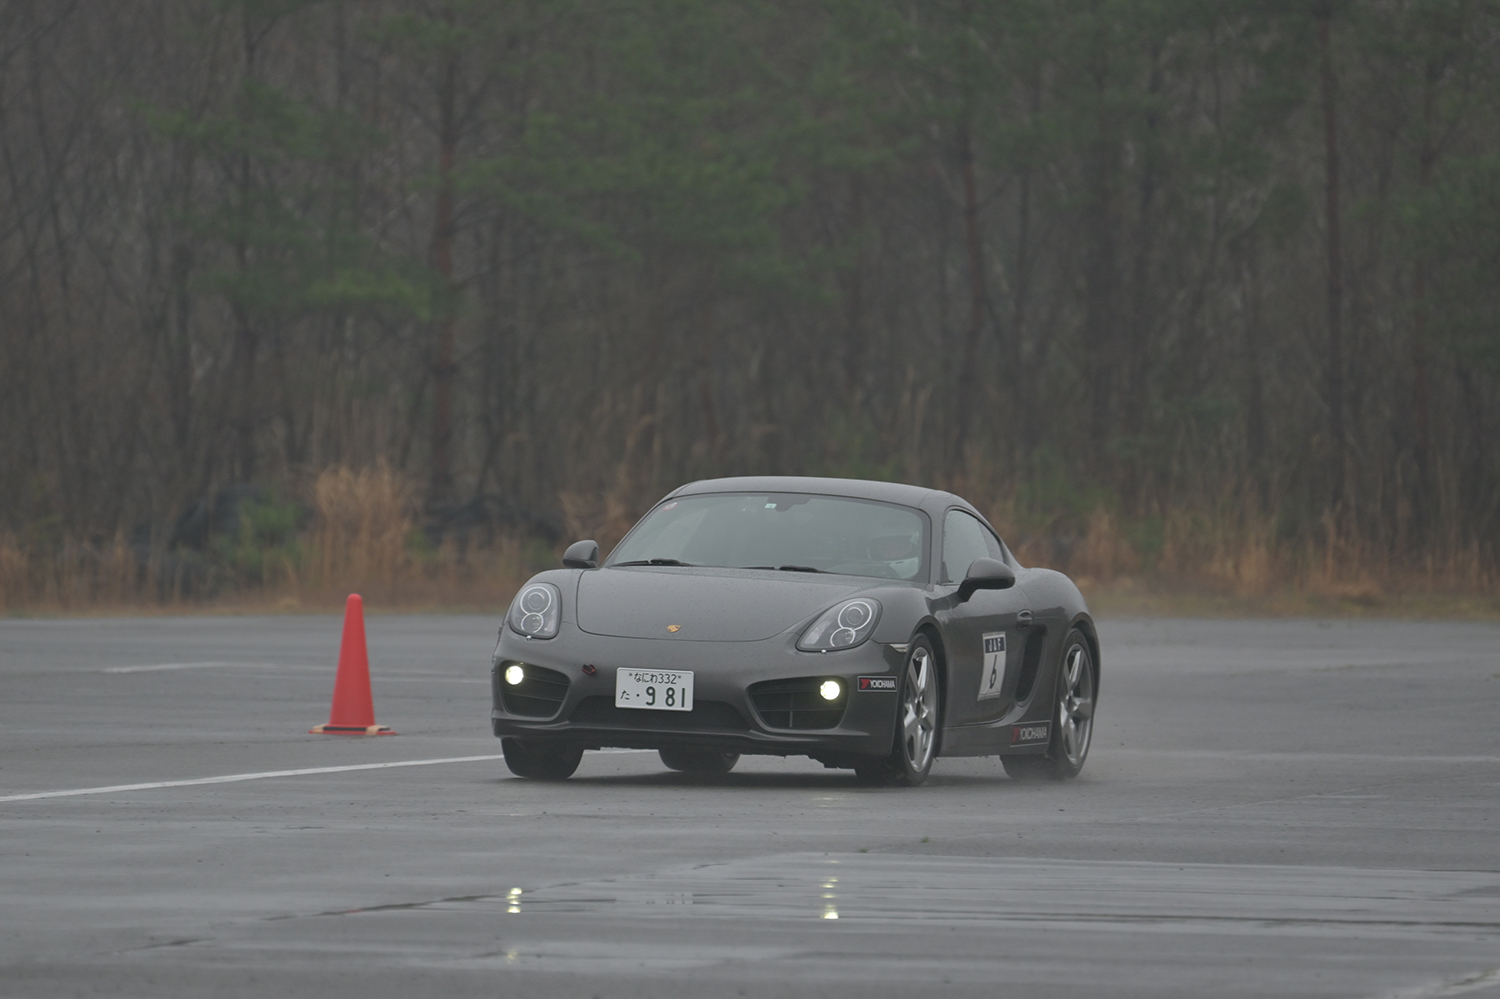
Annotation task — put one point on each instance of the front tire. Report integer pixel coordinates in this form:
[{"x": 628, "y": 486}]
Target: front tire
[
  {"x": 699, "y": 761},
  {"x": 1072, "y": 718},
  {"x": 540, "y": 760},
  {"x": 918, "y": 722}
]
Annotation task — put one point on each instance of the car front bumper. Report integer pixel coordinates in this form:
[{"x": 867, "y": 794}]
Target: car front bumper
[{"x": 724, "y": 714}]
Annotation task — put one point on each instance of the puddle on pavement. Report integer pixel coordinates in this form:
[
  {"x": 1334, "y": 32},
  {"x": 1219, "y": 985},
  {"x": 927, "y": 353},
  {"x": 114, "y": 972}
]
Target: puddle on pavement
[{"x": 880, "y": 888}]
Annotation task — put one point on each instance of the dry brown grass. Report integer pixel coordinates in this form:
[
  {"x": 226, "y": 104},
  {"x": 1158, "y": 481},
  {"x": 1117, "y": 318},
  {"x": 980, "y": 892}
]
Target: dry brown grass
[
  {"x": 605, "y": 518},
  {"x": 1225, "y": 555},
  {"x": 1233, "y": 554},
  {"x": 363, "y": 536},
  {"x": 1231, "y": 562},
  {"x": 364, "y": 521},
  {"x": 15, "y": 572},
  {"x": 620, "y": 496},
  {"x": 68, "y": 577},
  {"x": 1104, "y": 552}
]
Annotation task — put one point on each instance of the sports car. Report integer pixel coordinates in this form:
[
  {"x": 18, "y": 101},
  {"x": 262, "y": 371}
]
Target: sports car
[{"x": 870, "y": 626}]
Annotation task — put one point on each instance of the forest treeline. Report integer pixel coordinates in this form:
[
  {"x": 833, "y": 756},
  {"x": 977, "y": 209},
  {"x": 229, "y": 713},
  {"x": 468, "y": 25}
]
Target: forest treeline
[{"x": 1201, "y": 286}]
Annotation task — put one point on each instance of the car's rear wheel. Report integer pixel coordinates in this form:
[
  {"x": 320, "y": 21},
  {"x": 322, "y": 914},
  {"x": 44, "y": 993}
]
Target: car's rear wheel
[
  {"x": 541, "y": 760},
  {"x": 699, "y": 761},
  {"x": 918, "y": 721},
  {"x": 1072, "y": 718}
]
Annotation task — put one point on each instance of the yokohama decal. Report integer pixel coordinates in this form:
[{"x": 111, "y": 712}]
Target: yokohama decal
[
  {"x": 877, "y": 683},
  {"x": 1030, "y": 735}
]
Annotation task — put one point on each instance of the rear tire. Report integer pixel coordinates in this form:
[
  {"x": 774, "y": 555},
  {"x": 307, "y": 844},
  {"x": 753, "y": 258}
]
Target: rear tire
[
  {"x": 540, "y": 760},
  {"x": 699, "y": 761},
  {"x": 1072, "y": 718}
]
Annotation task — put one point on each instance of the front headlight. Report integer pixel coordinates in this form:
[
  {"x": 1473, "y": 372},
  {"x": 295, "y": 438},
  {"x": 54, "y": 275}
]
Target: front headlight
[
  {"x": 842, "y": 626},
  {"x": 536, "y": 611}
]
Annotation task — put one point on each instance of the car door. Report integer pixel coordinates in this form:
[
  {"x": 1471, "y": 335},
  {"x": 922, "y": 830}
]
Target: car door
[{"x": 983, "y": 635}]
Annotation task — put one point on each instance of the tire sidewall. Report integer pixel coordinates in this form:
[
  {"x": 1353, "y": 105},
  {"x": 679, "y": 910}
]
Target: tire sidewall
[
  {"x": 902, "y": 768},
  {"x": 1062, "y": 768},
  {"x": 540, "y": 761}
]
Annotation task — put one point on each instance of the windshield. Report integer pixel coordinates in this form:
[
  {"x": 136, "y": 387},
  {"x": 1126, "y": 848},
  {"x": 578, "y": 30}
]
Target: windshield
[{"x": 784, "y": 531}]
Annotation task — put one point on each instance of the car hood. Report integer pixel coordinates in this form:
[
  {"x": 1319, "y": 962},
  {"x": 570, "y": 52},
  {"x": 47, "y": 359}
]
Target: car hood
[{"x": 707, "y": 605}]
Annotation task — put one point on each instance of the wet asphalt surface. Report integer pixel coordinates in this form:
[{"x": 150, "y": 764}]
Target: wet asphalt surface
[{"x": 1288, "y": 808}]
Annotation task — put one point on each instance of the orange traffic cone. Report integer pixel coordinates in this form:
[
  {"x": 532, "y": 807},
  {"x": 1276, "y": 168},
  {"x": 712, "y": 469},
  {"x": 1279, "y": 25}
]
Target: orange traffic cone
[{"x": 353, "y": 710}]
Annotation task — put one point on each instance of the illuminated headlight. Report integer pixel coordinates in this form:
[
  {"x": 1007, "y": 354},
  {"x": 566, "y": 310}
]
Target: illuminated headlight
[
  {"x": 536, "y": 611},
  {"x": 830, "y": 690},
  {"x": 842, "y": 626},
  {"x": 514, "y": 674}
]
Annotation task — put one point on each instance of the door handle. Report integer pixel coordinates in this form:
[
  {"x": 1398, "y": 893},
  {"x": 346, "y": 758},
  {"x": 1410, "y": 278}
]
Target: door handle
[{"x": 1023, "y": 619}]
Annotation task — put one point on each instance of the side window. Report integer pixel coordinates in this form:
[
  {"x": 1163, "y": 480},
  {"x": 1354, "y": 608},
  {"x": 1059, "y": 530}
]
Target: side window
[
  {"x": 964, "y": 540},
  {"x": 997, "y": 551}
]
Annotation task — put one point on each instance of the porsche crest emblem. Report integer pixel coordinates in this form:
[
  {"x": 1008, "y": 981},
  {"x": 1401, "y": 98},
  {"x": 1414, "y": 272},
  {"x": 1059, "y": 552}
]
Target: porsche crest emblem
[{"x": 674, "y": 628}]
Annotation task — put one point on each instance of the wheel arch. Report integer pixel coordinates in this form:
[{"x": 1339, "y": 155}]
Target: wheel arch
[
  {"x": 1085, "y": 625},
  {"x": 929, "y": 629}
]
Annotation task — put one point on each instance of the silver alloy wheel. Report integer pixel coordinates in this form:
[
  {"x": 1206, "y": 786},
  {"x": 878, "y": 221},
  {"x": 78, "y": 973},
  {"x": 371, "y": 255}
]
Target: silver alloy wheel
[
  {"x": 1075, "y": 705},
  {"x": 919, "y": 709}
]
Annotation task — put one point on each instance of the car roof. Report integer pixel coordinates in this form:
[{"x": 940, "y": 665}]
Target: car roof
[{"x": 885, "y": 492}]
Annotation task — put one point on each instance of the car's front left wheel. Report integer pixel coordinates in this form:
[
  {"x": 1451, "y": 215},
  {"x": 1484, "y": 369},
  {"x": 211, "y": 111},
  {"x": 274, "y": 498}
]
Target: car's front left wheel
[
  {"x": 541, "y": 760},
  {"x": 918, "y": 721}
]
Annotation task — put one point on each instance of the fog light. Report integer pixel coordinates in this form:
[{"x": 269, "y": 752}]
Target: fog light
[
  {"x": 514, "y": 674},
  {"x": 831, "y": 689}
]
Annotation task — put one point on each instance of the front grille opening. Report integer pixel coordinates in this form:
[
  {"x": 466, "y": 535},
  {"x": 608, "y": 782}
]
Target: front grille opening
[
  {"x": 539, "y": 695},
  {"x": 796, "y": 704},
  {"x": 706, "y": 716}
]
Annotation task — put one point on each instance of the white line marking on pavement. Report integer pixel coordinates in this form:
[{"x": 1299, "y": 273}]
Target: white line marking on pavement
[
  {"x": 378, "y": 678},
  {"x": 234, "y": 778},
  {"x": 1297, "y": 757},
  {"x": 162, "y": 666},
  {"x": 1452, "y": 987},
  {"x": 420, "y": 678}
]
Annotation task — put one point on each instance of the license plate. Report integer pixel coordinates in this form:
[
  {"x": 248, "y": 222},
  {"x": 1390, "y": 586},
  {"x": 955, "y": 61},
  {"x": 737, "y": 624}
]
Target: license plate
[{"x": 654, "y": 689}]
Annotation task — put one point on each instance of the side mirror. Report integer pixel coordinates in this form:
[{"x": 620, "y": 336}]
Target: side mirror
[
  {"x": 582, "y": 555},
  {"x": 986, "y": 574}
]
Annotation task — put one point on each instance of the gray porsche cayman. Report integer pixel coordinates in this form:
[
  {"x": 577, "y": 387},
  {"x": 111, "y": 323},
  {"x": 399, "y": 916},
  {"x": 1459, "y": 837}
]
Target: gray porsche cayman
[{"x": 867, "y": 625}]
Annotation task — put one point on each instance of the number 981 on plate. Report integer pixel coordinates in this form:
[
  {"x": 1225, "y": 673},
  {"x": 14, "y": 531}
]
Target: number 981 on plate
[{"x": 654, "y": 689}]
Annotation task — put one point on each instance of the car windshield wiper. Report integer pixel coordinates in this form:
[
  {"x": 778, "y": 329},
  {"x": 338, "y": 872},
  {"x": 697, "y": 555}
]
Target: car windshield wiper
[
  {"x": 785, "y": 568},
  {"x": 654, "y": 561}
]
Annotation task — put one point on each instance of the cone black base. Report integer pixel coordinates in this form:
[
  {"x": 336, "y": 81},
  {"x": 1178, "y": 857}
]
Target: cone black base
[{"x": 350, "y": 730}]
